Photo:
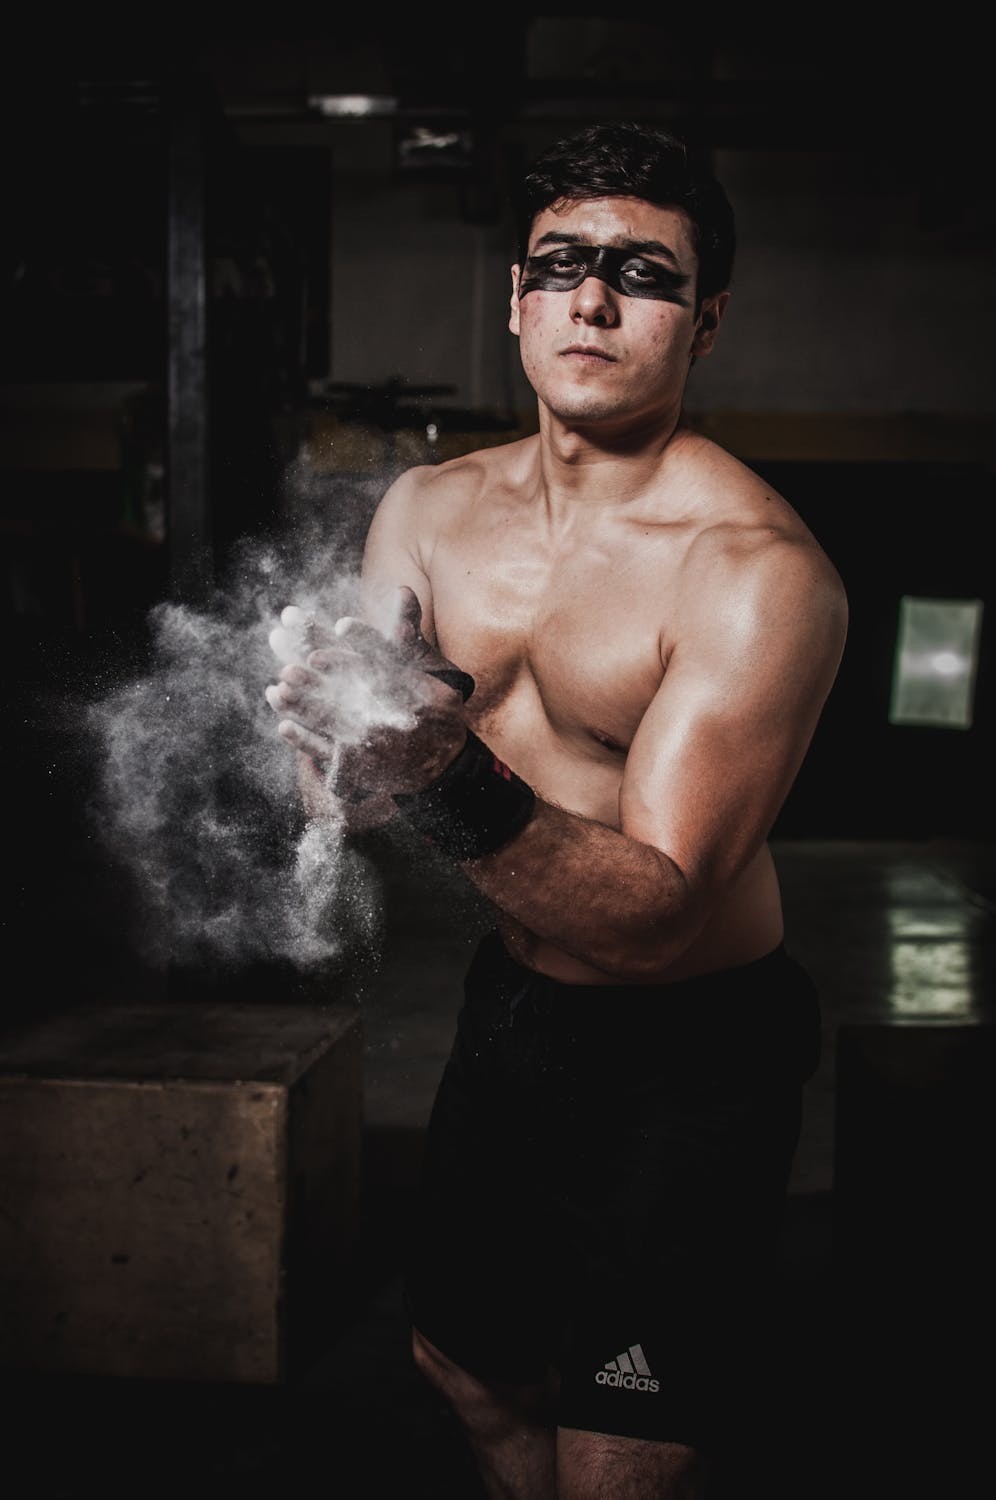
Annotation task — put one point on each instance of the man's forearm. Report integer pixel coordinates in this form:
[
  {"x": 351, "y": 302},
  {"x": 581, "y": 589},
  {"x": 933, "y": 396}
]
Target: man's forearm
[
  {"x": 618, "y": 904},
  {"x": 615, "y": 903}
]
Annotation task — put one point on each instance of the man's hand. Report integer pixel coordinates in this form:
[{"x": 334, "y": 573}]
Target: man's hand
[
  {"x": 383, "y": 709},
  {"x": 359, "y": 811}
]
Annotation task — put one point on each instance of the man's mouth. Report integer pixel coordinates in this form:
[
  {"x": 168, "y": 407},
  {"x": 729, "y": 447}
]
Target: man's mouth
[{"x": 589, "y": 351}]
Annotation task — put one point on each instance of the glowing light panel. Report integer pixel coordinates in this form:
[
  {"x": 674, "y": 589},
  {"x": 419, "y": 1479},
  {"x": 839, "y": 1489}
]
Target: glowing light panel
[{"x": 937, "y": 648}]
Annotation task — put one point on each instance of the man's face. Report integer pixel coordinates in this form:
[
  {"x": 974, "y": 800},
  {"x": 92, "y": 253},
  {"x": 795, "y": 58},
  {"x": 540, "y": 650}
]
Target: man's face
[{"x": 604, "y": 309}]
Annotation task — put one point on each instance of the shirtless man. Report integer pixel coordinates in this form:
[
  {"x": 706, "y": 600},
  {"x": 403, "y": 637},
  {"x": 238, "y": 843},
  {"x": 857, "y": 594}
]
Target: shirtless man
[{"x": 651, "y": 634}]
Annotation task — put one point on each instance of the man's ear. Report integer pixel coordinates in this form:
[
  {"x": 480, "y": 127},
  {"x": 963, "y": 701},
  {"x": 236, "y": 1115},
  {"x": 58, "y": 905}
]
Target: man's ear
[
  {"x": 707, "y": 325},
  {"x": 513, "y": 315}
]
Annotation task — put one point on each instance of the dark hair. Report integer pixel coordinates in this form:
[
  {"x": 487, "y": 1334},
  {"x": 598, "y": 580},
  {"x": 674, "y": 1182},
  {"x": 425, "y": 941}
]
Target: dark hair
[{"x": 630, "y": 160}]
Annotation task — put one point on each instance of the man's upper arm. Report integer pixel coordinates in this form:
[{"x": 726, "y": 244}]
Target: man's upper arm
[
  {"x": 723, "y": 739},
  {"x": 392, "y": 556}
]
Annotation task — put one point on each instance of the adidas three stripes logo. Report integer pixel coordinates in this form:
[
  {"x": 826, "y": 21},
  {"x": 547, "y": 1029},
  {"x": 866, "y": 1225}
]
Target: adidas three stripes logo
[{"x": 630, "y": 1371}]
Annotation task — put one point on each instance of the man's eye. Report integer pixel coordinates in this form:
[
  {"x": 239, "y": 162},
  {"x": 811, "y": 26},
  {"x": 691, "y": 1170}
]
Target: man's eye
[
  {"x": 564, "y": 265},
  {"x": 636, "y": 271}
]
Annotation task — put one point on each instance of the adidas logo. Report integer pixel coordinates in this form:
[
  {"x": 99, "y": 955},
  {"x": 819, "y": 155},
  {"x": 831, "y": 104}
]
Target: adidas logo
[{"x": 629, "y": 1370}]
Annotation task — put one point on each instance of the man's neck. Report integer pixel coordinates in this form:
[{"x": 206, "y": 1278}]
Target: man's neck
[{"x": 597, "y": 467}]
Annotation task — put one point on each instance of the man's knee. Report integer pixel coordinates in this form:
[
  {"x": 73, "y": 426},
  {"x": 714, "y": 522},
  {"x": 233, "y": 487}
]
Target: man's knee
[
  {"x": 487, "y": 1408},
  {"x": 439, "y": 1369}
]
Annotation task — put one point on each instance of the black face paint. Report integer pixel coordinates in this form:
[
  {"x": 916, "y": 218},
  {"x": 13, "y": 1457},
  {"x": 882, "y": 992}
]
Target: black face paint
[{"x": 632, "y": 275}]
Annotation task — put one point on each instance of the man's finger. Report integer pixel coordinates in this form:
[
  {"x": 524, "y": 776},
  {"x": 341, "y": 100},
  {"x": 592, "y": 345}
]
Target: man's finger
[
  {"x": 359, "y": 637},
  {"x": 302, "y": 739},
  {"x": 298, "y": 676},
  {"x": 353, "y": 653},
  {"x": 278, "y": 696},
  {"x": 312, "y": 631},
  {"x": 329, "y": 671},
  {"x": 284, "y": 644},
  {"x": 298, "y": 632},
  {"x": 297, "y": 685}
]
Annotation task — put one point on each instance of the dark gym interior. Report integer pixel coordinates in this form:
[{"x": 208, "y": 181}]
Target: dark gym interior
[{"x": 246, "y": 284}]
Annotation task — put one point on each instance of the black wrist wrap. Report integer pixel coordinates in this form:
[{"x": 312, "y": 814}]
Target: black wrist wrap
[
  {"x": 474, "y": 807},
  {"x": 462, "y": 682}
]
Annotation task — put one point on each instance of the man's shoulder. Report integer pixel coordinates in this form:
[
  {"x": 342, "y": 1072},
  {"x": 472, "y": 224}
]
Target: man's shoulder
[
  {"x": 725, "y": 488},
  {"x": 751, "y": 540},
  {"x": 464, "y": 476}
]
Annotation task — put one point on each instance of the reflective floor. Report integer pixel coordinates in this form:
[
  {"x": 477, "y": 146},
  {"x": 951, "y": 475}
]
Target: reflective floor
[{"x": 886, "y": 1253}]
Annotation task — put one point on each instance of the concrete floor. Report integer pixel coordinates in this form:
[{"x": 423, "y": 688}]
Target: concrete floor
[{"x": 884, "y": 1272}]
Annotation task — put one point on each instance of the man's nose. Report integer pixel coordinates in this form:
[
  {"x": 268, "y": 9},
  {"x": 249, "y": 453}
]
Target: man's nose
[{"x": 594, "y": 302}]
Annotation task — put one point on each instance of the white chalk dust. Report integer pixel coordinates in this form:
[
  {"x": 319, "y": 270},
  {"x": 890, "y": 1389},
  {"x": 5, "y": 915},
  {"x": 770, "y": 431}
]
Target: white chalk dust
[{"x": 197, "y": 792}]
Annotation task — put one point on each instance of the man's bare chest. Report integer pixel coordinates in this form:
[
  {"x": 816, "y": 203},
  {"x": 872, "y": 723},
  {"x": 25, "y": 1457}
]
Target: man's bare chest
[{"x": 577, "y": 634}]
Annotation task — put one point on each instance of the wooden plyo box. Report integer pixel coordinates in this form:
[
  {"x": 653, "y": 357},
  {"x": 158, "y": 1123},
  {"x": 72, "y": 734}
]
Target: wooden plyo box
[{"x": 179, "y": 1188}]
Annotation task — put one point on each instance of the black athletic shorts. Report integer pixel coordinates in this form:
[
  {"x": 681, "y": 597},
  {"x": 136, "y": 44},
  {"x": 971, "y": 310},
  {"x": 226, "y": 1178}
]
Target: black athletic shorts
[{"x": 602, "y": 1191}]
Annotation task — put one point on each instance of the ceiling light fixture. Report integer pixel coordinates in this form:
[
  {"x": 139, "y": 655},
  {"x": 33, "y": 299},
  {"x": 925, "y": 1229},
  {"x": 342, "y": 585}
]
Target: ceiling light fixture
[{"x": 353, "y": 106}]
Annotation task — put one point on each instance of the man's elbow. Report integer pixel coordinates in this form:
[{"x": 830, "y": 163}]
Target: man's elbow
[{"x": 644, "y": 944}]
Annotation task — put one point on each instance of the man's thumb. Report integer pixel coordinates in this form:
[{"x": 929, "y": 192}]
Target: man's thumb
[{"x": 408, "y": 630}]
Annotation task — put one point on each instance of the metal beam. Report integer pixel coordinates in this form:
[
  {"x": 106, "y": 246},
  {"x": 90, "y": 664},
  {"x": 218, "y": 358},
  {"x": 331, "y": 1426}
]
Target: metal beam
[{"x": 189, "y": 537}]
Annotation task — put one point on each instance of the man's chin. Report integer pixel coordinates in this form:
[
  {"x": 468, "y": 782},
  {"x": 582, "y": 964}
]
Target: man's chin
[
  {"x": 588, "y": 410},
  {"x": 581, "y": 400}
]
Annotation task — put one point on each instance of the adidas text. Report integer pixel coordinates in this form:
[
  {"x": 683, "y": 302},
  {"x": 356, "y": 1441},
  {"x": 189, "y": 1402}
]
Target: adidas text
[{"x": 628, "y": 1382}]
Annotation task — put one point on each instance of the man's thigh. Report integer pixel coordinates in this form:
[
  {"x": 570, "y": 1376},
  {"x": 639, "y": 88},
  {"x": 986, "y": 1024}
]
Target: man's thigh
[
  {"x": 600, "y": 1466},
  {"x": 671, "y": 1330},
  {"x": 480, "y": 1280}
]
